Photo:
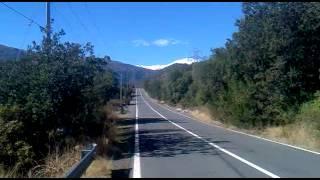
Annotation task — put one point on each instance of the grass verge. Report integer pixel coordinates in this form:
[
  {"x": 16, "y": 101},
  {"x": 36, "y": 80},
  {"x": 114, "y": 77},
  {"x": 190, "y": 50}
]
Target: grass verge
[{"x": 56, "y": 164}]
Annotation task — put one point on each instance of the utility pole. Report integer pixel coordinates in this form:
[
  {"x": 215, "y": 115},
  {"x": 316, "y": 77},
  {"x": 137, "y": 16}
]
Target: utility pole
[
  {"x": 124, "y": 87},
  {"x": 121, "y": 93},
  {"x": 121, "y": 87},
  {"x": 128, "y": 83},
  {"x": 196, "y": 53}
]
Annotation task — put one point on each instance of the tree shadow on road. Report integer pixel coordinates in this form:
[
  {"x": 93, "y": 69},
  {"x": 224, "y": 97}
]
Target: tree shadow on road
[
  {"x": 172, "y": 142},
  {"x": 157, "y": 139}
]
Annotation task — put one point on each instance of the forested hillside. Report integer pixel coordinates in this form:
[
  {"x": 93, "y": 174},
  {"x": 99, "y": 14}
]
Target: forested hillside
[
  {"x": 9, "y": 53},
  {"x": 130, "y": 73},
  {"x": 267, "y": 74}
]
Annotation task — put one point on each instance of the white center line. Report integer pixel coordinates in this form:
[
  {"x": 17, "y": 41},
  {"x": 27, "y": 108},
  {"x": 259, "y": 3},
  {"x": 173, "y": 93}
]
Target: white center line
[
  {"x": 214, "y": 145},
  {"x": 136, "y": 158}
]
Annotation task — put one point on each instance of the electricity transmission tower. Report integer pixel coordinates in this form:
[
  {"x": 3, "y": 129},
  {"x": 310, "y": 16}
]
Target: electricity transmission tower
[{"x": 196, "y": 54}]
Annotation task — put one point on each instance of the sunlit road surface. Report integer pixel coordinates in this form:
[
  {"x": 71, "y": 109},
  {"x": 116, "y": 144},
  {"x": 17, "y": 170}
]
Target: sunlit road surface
[{"x": 169, "y": 144}]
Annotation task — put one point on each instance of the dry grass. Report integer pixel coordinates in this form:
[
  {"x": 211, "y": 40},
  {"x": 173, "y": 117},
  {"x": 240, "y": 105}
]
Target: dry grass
[
  {"x": 11, "y": 173},
  {"x": 298, "y": 134},
  {"x": 110, "y": 130},
  {"x": 99, "y": 168},
  {"x": 203, "y": 114},
  {"x": 56, "y": 164},
  {"x": 101, "y": 165}
]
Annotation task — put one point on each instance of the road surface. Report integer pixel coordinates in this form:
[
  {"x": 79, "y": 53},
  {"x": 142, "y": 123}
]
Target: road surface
[{"x": 168, "y": 144}]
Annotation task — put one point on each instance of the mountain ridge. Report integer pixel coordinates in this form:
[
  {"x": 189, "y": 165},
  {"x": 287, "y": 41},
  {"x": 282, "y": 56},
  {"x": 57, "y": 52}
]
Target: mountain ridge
[
  {"x": 10, "y": 53},
  {"x": 187, "y": 60},
  {"x": 130, "y": 73}
]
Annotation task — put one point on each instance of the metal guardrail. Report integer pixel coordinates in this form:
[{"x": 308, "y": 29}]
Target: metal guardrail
[{"x": 87, "y": 157}]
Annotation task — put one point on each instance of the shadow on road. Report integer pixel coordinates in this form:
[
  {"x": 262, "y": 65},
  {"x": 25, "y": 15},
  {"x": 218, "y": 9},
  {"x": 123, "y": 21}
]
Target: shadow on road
[
  {"x": 120, "y": 173},
  {"x": 172, "y": 142},
  {"x": 142, "y": 121},
  {"x": 159, "y": 142},
  {"x": 157, "y": 139}
]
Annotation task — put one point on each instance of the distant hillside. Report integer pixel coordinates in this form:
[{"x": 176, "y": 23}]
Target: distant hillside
[
  {"x": 187, "y": 60},
  {"x": 132, "y": 73},
  {"x": 174, "y": 67},
  {"x": 129, "y": 72},
  {"x": 10, "y": 53},
  {"x": 163, "y": 73}
]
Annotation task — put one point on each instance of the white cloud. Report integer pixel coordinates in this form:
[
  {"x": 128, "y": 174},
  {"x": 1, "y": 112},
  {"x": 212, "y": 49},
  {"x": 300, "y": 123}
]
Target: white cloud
[
  {"x": 141, "y": 42},
  {"x": 177, "y": 42},
  {"x": 158, "y": 42},
  {"x": 161, "y": 42}
]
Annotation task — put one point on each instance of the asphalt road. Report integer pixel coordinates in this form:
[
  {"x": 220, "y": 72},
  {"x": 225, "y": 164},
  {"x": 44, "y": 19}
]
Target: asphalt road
[{"x": 168, "y": 144}]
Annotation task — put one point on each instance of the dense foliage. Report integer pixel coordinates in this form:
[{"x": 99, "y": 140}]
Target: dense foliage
[
  {"x": 262, "y": 75},
  {"x": 51, "y": 97}
]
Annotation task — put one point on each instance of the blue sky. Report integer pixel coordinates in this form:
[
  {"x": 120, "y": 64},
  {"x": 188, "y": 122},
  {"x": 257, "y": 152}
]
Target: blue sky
[{"x": 134, "y": 33}]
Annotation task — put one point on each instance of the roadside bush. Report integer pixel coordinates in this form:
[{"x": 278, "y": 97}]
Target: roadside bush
[
  {"x": 50, "y": 98},
  {"x": 309, "y": 114}
]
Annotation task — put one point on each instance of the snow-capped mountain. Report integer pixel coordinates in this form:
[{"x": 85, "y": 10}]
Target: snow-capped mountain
[{"x": 179, "y": 61}]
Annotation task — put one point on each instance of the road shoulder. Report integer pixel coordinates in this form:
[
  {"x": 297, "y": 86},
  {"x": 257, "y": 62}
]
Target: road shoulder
[{"x": 122, "y": 149}]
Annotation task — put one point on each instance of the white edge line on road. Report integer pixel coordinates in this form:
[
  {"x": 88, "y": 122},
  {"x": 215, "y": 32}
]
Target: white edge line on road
[
  {"x": 136, "y": 157},
  {"x": 214, "y": 145},
  {"x": 258, "y": 137}
]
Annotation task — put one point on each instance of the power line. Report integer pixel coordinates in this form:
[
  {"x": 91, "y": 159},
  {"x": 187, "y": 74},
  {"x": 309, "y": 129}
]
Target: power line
[
  {"x": 84, "y": 27},
  {"x": 65, "y": 19},
  {"x": 31, "y": 20},
  {"x": 93, "y": 21},
  {"x": 95, "y": 24},
  {"x": 23, "y": 41},
  {"x": 25, "y": 35},
  {"x": 78, "y": 19},
  {"x": 59, "y": 26}
]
